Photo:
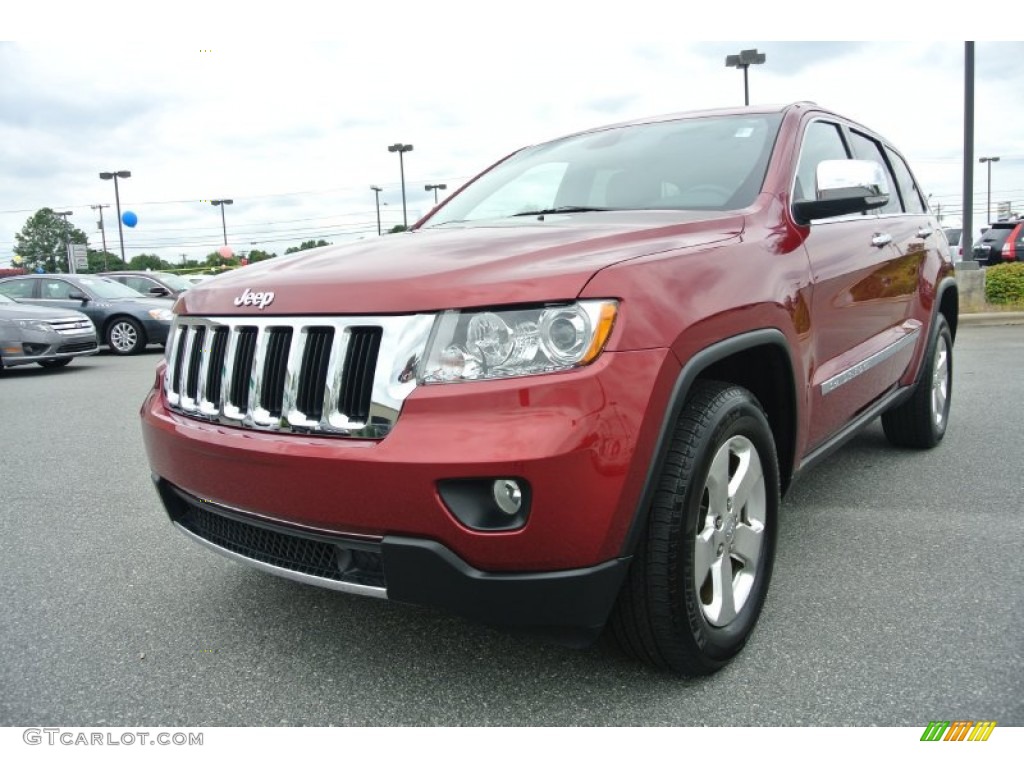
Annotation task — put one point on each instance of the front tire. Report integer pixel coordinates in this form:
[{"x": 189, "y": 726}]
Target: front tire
[
  {"x": 701, "y": 572},
  {"x": 920, "y": 422},
  {"x": 125, "y": 336}
]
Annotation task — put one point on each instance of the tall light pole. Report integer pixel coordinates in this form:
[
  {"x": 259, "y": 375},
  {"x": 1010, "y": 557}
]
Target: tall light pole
[
  {"x": 376, "y": 195},
  {"x": 435, "y": 187},
  {"x": 67, "y": 245},
  {"x": 223, "y": 221},
  {"x": 401, "y": 149},
  {"x": 115, "y": 175},
  {"x": 103, "y": 232},
  {"x": 743, "y": 60},
  {"x": 988, "y": 161}
]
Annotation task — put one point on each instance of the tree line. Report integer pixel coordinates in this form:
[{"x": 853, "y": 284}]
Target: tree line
[{"x": 42, "y": 244}]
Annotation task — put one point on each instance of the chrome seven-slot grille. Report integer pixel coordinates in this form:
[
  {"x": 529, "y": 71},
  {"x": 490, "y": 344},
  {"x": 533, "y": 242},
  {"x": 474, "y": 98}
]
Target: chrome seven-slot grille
[{"x": 310, "y": 375}]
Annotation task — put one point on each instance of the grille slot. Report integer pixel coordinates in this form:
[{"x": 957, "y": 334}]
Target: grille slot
[
  {"x": 357, "y": 381},
  {"x": 275, "y": 367},
  {"x": 313, "y": 373},
  {"x": 241, "y": 374},
  {"x": 215, "y": 371},
  {"x": 81, "y": 346},
  {"x": 179, "y": 358},
  {"x": 195, "y": 357}
]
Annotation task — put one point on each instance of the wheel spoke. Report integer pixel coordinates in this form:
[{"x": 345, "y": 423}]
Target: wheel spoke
[
  {"x": 705, "y": 552},
  {"x": 749, "y": 475},
  {"x": 747, "y": 544},
  {"x": 723, "y": 603},
  {"x": 717, "y": 483}
]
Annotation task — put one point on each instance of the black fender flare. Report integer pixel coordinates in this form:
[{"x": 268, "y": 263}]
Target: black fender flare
[{"x": 680, "y": 392}]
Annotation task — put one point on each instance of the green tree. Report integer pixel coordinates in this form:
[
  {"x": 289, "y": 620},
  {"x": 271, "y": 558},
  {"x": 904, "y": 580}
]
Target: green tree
[
  {"x": 305, "y": 246},
  {"x": 397, "y": 228},
  {"x": 148, "y": 261},
  {"x": 258, "y": 255},
  {"x": 97, "y": 262},
  {"x": 43, "y": 241}
]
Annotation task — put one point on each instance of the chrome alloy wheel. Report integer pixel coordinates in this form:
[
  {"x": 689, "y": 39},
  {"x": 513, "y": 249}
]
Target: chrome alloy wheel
[
  {"x": 730, "y": 531},
  {"x": 940, "y": 381},
  {"x": 123, "y": 336}
]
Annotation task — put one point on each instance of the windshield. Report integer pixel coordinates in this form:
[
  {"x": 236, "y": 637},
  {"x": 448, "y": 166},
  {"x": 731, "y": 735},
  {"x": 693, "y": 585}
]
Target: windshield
[
  {"x": 711, "y": 163},
  {"x": 102, "y": 288}
]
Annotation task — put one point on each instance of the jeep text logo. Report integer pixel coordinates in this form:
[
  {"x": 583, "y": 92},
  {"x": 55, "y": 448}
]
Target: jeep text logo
[{"x": 258, "y": 300}]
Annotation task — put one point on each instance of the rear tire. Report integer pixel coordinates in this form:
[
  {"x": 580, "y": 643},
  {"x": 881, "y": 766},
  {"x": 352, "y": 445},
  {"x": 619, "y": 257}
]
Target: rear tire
[
  {"x": 920, "y": 422},
  {"x": 700, "y": 574}
]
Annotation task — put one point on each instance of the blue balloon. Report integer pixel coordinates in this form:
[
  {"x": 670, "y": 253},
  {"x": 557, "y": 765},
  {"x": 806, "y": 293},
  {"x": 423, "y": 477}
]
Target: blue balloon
[{"x": 129, "y": 219}]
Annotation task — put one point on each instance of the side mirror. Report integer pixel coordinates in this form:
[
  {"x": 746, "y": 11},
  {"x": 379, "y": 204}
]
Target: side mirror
[
  {"x": 844, "y": 186},
  {"x": 159, "y": 291},
  {"x": 78, "y": 296}
]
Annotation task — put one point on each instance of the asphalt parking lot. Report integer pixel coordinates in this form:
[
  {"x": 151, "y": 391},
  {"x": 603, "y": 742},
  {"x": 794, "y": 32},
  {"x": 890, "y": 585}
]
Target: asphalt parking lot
[{"x": 898, "y": 594}]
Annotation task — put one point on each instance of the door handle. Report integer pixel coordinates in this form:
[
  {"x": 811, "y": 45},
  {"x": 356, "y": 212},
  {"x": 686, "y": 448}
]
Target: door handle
[
  {"x": 925, "y": 232},
  {"x": 881, "y": 238}
]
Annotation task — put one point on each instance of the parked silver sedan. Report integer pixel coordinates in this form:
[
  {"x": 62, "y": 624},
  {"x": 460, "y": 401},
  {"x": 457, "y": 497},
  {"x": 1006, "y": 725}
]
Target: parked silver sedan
[{"x": 49, "y": 337}]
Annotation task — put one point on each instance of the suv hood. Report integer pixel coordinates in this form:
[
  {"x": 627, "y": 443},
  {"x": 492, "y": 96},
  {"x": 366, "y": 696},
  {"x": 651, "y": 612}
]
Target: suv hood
[{"x": 507, "y": 261}]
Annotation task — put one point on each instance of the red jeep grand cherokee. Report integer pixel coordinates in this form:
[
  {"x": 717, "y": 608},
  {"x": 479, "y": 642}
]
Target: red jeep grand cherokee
[{"x": 572, "y": 395}]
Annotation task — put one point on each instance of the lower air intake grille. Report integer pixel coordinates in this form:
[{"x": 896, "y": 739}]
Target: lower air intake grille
[{"x": 296, "y": 553}]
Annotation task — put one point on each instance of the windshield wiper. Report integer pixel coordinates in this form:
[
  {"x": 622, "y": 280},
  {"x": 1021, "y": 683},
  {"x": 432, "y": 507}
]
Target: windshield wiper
[{"x": 562, "y": 209}]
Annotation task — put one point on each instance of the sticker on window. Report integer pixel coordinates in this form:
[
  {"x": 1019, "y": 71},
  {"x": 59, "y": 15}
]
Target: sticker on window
[{"x": 744, "y": 132}]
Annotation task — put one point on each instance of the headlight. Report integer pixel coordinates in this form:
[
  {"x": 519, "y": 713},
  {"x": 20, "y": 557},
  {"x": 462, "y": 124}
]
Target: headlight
[
  {"x": 34, "y": 325},
  {"x": 501, "y": 343},
  {"x": 161, "y": 314}
]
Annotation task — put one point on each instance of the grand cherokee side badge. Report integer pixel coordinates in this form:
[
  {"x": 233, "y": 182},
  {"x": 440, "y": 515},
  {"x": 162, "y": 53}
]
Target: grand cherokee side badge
[{"x": 260, "y": 300}]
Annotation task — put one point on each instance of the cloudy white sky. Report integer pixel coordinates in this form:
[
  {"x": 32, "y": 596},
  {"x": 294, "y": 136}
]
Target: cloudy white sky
[{"x": 297, "y": 132}]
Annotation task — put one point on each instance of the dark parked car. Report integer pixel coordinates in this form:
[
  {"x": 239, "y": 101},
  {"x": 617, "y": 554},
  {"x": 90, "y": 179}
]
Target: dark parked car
[
  {"x": 49, "y": 337},
  {"x": 126, "y": 320},
  {"x": 151, "y": 283},
  {"x": 573, "y": 395},
  {"x": 1001, "y": 242}
]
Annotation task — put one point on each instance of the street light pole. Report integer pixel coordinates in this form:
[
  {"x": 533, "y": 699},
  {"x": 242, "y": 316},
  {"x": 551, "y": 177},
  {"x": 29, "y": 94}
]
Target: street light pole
[
  {"x": 67, "y": 244},
  {"x": 401, "y": 149},
  {"x": 103, "y": 232},
  {"x": 117, "y": 199},
  {"x": 743, "y": 60},
  {"x": 988, "y": 161},
  {"x": 376, "y": 195},
  {"x": 435, "y": 187},
  {"x": 223, "y": 221}
]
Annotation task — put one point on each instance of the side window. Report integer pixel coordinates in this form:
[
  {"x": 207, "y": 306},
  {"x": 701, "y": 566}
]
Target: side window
[
  {"x": 867, "y": 149},
  {"x": 912, "y": 200},
  {"x": 140, "y": 284},
  {"x": 822, "y": 141},
  {"x": 17, "y": 289},
  {"x": 55, "y": 289}
]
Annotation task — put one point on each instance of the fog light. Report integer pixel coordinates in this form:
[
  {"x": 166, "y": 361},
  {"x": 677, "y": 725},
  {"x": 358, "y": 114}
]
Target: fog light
[
  {"x": 487, "y": 503},
  {"x": 508, "y": 496}
]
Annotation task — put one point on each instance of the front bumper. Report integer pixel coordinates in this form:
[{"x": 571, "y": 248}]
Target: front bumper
[
  {"x": 581, "y": 439},
  {"x": 31, "y": 346},
  {"x": 569, "y": 606}
]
